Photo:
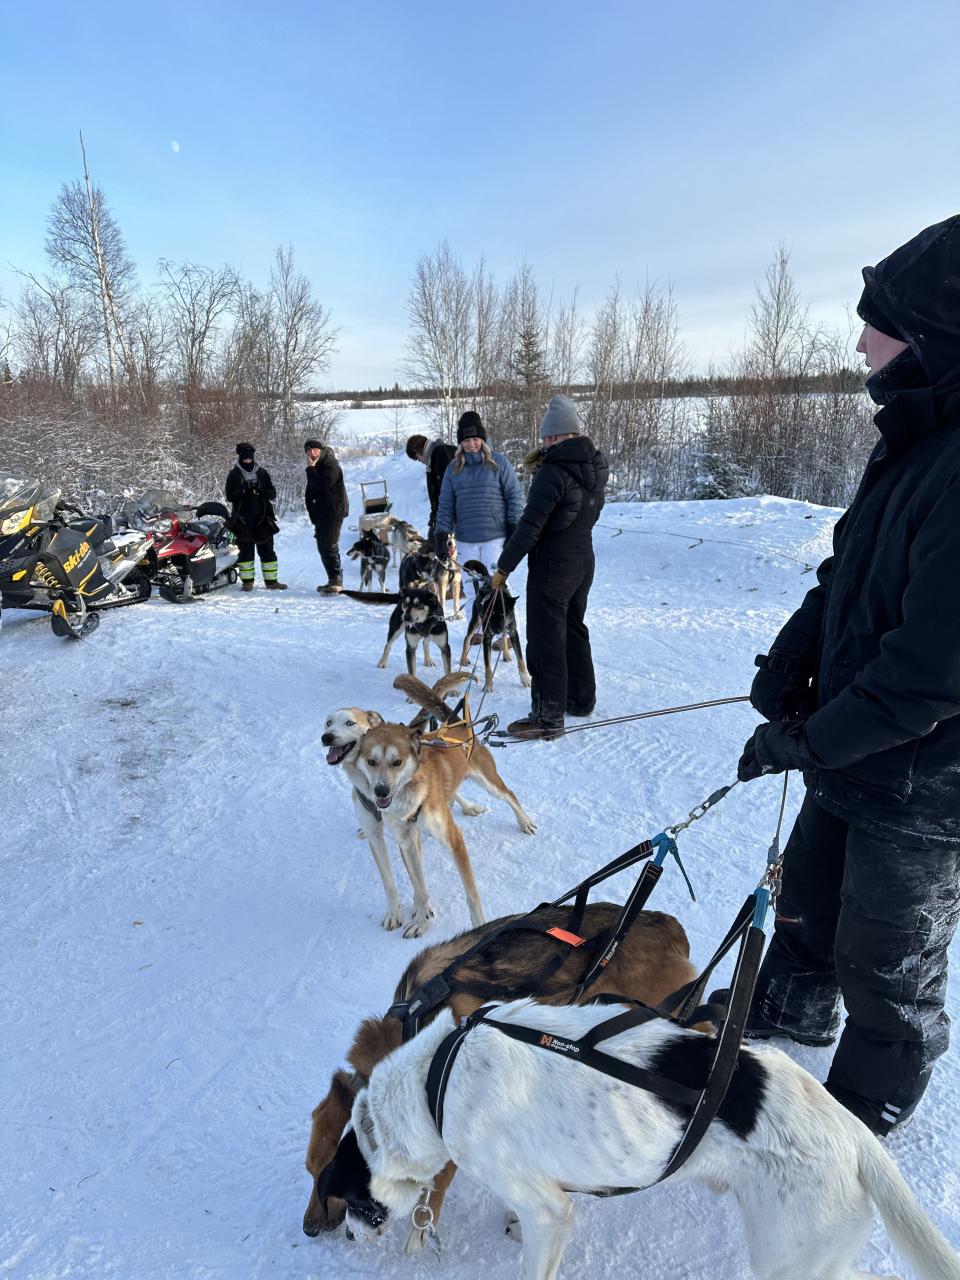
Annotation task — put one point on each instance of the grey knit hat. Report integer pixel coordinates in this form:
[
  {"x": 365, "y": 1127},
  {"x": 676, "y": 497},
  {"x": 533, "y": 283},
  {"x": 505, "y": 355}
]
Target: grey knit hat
[{"x": 561, "y": 418}]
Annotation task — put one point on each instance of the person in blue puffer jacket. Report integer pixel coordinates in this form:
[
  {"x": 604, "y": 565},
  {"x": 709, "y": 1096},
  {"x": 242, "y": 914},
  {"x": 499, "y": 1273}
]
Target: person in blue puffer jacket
[{"x": 480, "y": 499}]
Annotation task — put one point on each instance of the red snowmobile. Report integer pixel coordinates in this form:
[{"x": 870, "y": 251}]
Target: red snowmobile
[{"x": 193, "y": 551}]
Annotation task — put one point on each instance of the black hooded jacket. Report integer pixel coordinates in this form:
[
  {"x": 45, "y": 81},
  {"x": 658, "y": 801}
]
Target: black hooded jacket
[
  {"x": 253, "y": 519},
  {"x": 563, "y": 505},
  {"x": 441, "y": 455},
  {"x": 881, "y": 631},
  {"x": 326, "y": 494}
]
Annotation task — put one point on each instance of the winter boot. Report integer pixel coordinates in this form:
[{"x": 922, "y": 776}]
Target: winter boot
[
  {"x": 530, "y": 727},
  {"x": 879, "y": 1117},
  {"x": 247, "y": 584},
  {"x": 270, "y": 577},
  {"x": 332, "y": 588},
  {"x": 580, "y": 710},
  {"x": 759, "y": 1027}
]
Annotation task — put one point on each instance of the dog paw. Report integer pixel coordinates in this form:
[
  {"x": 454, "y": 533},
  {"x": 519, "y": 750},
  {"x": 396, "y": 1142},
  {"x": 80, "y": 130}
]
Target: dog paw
[
  {"x": 525, "y": 680},
  {"x": 512, "y": 1228},
  {"x": 382, "y": 663},
  {"x": 429, "y": 662},
  {"x": 392, "y": 920},
  {"x": 527, "y": 826},
  {"x": 471, "y": 810},
  {"x": 361, "y": 834},
  {"x": 488, "y": 687}
]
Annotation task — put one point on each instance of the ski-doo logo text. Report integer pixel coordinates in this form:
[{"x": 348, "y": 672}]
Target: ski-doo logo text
[
  {"x": 71, "y": 562},
  {"x": 560, "y": 1046}
]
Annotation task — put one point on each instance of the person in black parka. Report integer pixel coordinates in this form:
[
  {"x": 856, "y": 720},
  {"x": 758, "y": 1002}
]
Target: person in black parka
[
  {"x": 555, "y": 533},
  {"x": 862, "y": 691},
  {"x": 251, "y": 492},
  {"x": 327, "y": 507},
  {"x": 436, "y": 456}
]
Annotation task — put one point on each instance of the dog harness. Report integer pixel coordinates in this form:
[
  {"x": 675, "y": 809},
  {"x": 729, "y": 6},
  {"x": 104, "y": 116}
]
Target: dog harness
[{"x": 684, "y": 1008}]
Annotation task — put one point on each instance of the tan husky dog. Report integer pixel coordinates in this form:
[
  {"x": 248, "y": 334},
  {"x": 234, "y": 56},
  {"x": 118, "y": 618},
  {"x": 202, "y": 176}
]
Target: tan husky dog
[{"x": 413, "y": 781}]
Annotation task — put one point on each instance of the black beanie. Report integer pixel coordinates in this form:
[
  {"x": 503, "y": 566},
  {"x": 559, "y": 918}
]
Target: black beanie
[
  {"x": 312, "y": 444},
  {"x": 244, "y": 449},
  {"x": 870, "y": 311},
  {"x": 470, "y": 427}
]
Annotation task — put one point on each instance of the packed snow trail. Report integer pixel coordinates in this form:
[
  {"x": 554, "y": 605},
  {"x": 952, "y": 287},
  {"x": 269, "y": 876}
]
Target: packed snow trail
[{"x": 191, "y": 926}]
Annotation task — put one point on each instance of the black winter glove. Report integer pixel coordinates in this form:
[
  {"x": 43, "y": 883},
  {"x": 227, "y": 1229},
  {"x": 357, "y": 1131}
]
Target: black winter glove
[
  {"x": 775, "y": 748},
  {"x": 510, "y": 530},
  {"x": 780, "y": 689},
  {"x": 441, "y": 543}
]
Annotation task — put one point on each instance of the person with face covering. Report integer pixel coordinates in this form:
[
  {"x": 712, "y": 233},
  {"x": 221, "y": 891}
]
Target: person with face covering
[
  {"x": 861, "y": 691},
  {"x": 251, "y": 492}
]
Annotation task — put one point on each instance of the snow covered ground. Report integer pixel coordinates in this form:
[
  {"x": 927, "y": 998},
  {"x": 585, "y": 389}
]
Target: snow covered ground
[{"x": 191, "y": 927}]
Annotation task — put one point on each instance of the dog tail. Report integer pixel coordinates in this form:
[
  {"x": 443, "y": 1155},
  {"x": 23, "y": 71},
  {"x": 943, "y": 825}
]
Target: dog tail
[
  {"x": 907, "y": 1225},
  {"x": 372, "y": 597},
  {"x": 477, "y": 567},
  {"x": 430, "y": 699}
]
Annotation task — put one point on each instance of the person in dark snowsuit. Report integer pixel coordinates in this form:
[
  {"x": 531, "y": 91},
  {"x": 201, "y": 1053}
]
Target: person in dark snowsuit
[
  {"x": 436, "y": 456},
  {"x": 862, "y": 691},
  {"x": 327, "y": 507},
  {"x": 555, "y": 533},
  {"x": 250, "y": 492}
]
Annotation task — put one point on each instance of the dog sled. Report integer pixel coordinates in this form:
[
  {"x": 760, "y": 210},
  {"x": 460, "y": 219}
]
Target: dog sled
[{"x": 376, "y": 507}]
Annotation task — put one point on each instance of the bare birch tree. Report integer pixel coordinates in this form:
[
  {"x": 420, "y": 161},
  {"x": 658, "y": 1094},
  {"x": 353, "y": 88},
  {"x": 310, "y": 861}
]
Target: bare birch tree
[{"x": 304, "y": 336}]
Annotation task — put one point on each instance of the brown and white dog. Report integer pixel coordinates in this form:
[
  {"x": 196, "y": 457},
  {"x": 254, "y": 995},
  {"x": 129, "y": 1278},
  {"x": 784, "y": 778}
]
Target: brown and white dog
[
  {"x": 652, "y": 962},
  {"x": 413, "y": 784},
  {"x": 343, "y": 733},
  {"x": 449, "y": 577}
]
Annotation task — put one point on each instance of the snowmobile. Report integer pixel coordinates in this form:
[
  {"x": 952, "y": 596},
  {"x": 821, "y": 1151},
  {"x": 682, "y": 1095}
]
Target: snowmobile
[
  {"x": 56, "y": 559},
  {"x": 193, "y": 552}
]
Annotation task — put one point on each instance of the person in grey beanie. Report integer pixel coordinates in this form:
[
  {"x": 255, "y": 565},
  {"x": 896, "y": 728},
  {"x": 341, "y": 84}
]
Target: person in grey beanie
[{"x": 555, "y": 534}]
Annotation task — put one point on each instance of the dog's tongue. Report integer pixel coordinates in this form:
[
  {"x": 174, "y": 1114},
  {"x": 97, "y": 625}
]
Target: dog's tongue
[
  {"x": 333, "y": 754},
  {"x": 384, "y": 804}
]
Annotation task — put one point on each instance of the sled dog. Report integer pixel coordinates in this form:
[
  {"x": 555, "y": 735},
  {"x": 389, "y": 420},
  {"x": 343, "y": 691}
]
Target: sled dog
[
  {"x": 343, "y": 734},
  {"x": 533, "y": 1126},
  {"x": 448, "y": 577},
  {"x": 374, "y": 557},
  {"x": 413, "y": 783},
  {"x": 418, "y": 616},
  {"x": 652, "y": 962},
  {"x": 492, "y": 616}
]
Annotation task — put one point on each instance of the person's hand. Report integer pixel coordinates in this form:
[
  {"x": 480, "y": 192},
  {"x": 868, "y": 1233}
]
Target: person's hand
[
  {"x": 775, "y": 748},
  {"x": 780, "y": 689},
  {"x": 498, "y": 581}
]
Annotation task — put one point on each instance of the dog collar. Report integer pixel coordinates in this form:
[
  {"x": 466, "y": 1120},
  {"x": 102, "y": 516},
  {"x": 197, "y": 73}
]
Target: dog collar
[{"x": 368, "y": 804}]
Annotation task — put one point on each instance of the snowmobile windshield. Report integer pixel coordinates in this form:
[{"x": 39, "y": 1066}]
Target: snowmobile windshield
[
  {"x": 21, "y": 498},
  {"x": 154, "y": 502}
]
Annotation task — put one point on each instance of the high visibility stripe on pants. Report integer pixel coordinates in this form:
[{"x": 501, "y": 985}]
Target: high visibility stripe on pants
[
  {"x": 269, "y": 571},
  {"x": 245, "y": 570}
]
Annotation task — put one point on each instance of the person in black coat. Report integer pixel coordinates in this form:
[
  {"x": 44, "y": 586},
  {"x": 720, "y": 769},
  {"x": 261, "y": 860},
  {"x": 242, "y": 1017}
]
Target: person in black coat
[
  {"x": 436, "y": 456},
  {"x": 861, "y": 689},
  {"x": 251, "y": 492},
  {"x": 327, "y": 507},
  {"x": 555, "y": 532}
]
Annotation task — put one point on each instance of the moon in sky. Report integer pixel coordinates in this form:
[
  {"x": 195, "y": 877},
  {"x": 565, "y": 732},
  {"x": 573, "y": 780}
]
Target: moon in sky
[{"x": 174, "y": 146}]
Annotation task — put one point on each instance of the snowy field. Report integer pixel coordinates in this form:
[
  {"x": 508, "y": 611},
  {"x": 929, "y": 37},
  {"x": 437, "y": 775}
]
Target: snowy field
[{"x": 191, "y": 926}]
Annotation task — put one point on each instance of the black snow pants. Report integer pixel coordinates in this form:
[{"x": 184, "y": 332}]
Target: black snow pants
[
  {"x": 868, "y": 918},
  {"x": 327, "y": 534},
  {"x": 558, "y": 642}
]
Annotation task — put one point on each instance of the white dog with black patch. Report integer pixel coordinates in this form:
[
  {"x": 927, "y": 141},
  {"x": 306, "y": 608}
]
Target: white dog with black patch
[{"x": 534, "y": 1126}]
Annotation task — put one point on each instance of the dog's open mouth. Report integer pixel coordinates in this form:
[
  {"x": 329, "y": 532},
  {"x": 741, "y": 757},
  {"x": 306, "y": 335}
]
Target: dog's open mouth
[
  {"x": 384, "y": 802},
  {"x": 335, "y": 753}
]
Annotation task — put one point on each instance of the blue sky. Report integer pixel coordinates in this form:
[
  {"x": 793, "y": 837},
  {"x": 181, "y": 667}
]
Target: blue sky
[{"x": 679, "y": 142}]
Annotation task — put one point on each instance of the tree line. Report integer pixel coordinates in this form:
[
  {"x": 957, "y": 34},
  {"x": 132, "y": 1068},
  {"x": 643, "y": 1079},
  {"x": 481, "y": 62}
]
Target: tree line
[{"x": 114, "y": 381}]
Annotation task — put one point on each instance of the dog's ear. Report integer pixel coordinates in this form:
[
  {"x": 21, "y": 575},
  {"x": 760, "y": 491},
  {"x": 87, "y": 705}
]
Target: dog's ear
[
  {"x": 416, "y": 738},
  {"x": 373, "y": 718}
]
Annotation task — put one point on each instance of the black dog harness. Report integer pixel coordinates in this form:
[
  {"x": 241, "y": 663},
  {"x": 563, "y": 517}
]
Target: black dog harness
[
  {"x": 601, "y": 948},
  {"x": 684, "y": 1008}
]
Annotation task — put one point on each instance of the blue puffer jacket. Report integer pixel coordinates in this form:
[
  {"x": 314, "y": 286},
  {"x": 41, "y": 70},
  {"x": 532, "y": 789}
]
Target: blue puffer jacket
[{"x": 477, "y": 503}]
